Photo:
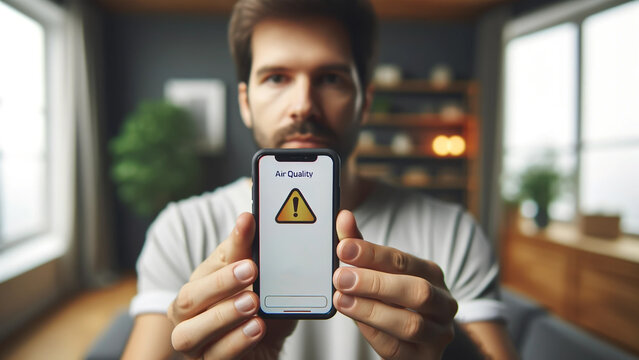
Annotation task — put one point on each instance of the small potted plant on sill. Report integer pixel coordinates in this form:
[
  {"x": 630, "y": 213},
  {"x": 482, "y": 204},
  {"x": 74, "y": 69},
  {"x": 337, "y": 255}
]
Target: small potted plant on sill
[{"x": 540, "y": 183}]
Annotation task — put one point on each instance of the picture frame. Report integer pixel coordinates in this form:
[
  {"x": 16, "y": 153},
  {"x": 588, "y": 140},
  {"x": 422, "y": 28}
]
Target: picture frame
[{"x": 205, "y": 100}]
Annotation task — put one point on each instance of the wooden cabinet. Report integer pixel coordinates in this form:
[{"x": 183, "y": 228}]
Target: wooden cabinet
[
  {"x": 545, "y": 279},
  {"x": 591, "y": 282},
  {"x": 608, "y": 298},
  {"x": 415, "y": 113}
]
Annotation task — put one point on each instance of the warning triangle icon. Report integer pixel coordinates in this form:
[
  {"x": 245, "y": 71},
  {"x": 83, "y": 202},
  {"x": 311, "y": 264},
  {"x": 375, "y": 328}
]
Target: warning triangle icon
[{"x": 295, "y": 210}]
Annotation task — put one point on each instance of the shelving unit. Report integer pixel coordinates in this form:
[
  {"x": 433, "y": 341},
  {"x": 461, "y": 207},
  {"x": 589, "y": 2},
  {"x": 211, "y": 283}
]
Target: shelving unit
[
  {"x": 414, "y": 110},
  {"x": 416, "y": 120}
]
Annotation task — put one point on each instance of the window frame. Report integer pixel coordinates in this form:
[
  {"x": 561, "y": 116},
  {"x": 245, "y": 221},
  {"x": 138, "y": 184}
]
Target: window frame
[
  {"x": 576, "y": 12},
  {"x": 46, "y": 226},
  {"x": 53, "y": 240}
]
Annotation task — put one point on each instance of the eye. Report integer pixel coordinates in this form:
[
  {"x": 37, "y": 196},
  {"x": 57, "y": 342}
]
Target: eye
[
  {"x": 275, "y": 78},
  {"x": 330, "y": 78}
]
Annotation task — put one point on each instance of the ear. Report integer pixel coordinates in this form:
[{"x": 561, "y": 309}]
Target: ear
[
  {"x": 368, "y": 102},
  {"x": 245, "y": 110}
]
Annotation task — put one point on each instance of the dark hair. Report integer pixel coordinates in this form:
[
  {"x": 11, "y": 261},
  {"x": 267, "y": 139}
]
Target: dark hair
[{"x": 357, "y": 17}]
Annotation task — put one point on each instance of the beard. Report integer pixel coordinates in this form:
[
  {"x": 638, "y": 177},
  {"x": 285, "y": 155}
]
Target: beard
[{"x": 343, "y": 144}]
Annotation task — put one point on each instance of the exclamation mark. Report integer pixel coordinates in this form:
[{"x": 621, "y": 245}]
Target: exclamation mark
[{"x": 296, "y": 201}]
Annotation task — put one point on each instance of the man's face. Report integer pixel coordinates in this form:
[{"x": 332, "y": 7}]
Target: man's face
[{"x": 303, "y": 90}]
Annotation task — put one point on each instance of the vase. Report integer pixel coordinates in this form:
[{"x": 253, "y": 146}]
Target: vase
[{"x": 541, "y": 218}]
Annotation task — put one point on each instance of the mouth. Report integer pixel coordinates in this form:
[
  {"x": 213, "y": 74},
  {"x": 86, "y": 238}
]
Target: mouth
[{"x": 304, "y": 141}]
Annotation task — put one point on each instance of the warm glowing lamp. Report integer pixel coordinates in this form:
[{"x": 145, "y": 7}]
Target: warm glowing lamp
[
  {"x": 456, "y": 145},
  {"x": 440, "y": 145}
]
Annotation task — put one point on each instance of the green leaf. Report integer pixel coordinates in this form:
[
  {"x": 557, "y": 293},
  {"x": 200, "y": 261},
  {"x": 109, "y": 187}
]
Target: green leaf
[{"x": 154, "y": 157}]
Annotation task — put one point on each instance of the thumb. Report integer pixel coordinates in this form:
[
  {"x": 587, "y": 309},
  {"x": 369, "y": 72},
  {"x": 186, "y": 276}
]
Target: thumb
[
  {"x": 237, "y": 246},
  {"x": 346, "y": 226},
  {"x": 240, "y": 241}
]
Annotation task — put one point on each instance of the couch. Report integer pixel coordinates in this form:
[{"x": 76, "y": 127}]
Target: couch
[{"x": 536, "y": 334}]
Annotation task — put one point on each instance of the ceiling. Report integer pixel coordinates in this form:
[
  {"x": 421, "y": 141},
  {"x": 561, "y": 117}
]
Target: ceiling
[{"x": 387, "y": 9}]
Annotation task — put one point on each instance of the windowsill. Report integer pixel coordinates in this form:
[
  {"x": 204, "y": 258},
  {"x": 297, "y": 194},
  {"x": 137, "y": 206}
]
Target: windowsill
[
  {"x": 30, "y": 254},
  {"x": 624, "y": 247}
]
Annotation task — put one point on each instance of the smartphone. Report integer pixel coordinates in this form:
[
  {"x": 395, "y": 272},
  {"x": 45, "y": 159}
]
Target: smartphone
[{"x": 295, "y": 203}]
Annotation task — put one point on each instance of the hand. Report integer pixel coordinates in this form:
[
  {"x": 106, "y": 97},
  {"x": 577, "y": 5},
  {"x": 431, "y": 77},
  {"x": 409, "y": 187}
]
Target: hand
[
  {"x": 399, "y": 302},
  {"x": 214, "y": 313}
]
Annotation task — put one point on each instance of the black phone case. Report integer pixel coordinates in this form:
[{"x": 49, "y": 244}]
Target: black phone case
[{"x": 295, "y": 155}]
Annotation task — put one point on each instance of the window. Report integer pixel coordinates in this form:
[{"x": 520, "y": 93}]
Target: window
[
  {"x": 540, "y": 106},
  {"x": 23, "y": 120},
  {"x": 570, "y": 88},
  {"x": 610, "y": 141}
]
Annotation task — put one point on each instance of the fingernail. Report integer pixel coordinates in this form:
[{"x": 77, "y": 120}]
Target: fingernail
[
  {"x": 243, "y": 271},
  {"x": 346, "y": 279},
  {"x": 244, "y": 303},
  {"x": 251, "y": 329},
  {"x": 349, "y": 251},
  {"x": 345, "y": 301},
  {"x": 236, "y": 229}
]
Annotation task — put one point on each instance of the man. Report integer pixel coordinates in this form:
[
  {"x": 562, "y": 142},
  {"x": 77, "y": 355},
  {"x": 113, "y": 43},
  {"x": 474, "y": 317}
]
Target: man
[{"x": 304, "y": 69}]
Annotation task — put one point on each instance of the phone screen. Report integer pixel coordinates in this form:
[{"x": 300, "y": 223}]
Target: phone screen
[{"x": 296, "y": 217}]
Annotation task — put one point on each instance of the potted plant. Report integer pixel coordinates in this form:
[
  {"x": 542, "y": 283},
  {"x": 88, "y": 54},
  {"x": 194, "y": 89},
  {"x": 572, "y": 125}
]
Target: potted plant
[
  {"x": 540, "y": 183},
  {"x": 154, "y": 157}
]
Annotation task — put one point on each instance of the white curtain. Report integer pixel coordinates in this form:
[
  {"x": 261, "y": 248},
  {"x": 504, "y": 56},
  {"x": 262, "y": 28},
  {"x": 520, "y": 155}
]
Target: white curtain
[{"x": 90, "y": 260}]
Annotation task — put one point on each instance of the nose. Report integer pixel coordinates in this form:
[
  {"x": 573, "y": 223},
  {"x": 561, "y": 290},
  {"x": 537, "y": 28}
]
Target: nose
[{"x": 303, "y": 105}]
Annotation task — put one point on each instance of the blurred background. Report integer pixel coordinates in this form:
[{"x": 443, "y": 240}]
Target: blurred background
[{"x": 524, "y": 111}]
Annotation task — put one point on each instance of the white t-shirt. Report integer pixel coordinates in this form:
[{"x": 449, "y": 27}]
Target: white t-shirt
[{"x": 186, "y": 232}]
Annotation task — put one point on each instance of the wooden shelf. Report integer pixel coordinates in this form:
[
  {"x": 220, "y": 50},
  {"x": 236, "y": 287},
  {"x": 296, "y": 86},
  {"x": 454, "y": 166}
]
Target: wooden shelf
[
  {"x": 426, "y": 86},
  {"x": 437, "y": 186},
  {"x": 416, "y": 120},
  {"x": 384, "y": 152},
  {"x": 434, "y": 185}
]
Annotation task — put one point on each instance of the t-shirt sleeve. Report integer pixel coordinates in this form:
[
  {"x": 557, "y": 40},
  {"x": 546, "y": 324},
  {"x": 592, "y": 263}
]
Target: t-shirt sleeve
[
  {"x": 164, "y": 264},
  {"x": 472, "y": 273}
]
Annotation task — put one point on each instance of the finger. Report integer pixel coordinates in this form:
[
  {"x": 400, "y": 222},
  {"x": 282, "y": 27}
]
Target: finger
[
  {"x": 191, "y": 335},
  {"x": 406, "y": 291},
  {"x": 387, "y": 346},
  {"x": 364, "y": 254},
  {"x": 196, "y": 296},
  {"x": 401, "y": 323},
  {"x": 346, "y": 226},
  {"x": 236, "y": 246},
  {"x": 237, "y": 342}
]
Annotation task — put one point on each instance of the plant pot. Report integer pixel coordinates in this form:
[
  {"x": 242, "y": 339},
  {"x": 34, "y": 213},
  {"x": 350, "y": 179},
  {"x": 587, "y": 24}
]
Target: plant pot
[{"x": 541, "y": 218}]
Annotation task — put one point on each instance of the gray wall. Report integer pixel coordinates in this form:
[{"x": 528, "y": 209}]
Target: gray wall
[
  {"x": 144, "y": 51},
  {"x": 418, "y": 46},
  {"x": 141, "y": 53}
]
